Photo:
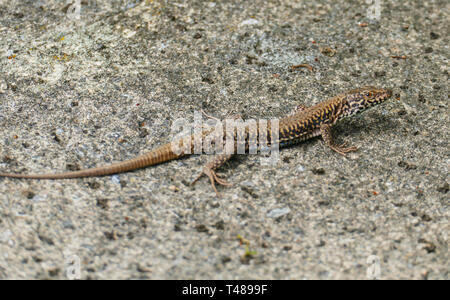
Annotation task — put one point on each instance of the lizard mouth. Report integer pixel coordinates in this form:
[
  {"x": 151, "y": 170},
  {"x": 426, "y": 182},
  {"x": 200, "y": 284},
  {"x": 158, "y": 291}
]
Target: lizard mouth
[{"x": 388, "y": 93}]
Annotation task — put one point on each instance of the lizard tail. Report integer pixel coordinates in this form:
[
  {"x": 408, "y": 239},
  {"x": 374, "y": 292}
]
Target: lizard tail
[{"x": 159, "y": 155}]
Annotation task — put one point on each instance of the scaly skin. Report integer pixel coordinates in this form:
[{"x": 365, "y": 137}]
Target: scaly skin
[{"x": 302, "y": 124}]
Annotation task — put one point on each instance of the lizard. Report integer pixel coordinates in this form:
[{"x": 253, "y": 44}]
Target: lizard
[{"x": 301, "y": 124}]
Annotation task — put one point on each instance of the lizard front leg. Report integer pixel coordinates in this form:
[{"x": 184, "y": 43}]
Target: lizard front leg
[{"x": 325, "y": 131}]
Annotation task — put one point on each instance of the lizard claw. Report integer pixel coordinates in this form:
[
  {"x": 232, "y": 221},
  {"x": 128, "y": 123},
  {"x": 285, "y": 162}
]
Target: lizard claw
[
  {"x": 342, "y": 150},
  {"x": 213, "y": 178}
]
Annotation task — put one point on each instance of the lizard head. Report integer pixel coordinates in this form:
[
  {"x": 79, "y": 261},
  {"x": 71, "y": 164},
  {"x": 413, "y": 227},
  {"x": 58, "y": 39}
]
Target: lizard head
[{"x": 363, "y": 98}]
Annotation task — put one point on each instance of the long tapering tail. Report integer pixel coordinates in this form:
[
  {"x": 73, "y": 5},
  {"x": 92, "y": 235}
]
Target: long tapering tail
[{"x": 159, "y": 155}]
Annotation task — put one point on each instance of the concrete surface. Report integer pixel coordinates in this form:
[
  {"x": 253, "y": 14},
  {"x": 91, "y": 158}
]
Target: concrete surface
[{"x": 83, "y": 88}]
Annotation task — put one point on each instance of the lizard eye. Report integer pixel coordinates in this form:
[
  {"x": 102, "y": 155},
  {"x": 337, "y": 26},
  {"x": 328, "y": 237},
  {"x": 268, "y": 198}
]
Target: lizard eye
[{"x": 368, "y": 95}]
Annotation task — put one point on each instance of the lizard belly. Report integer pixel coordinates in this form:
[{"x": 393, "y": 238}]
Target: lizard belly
[{"x": 295, "y": 140}]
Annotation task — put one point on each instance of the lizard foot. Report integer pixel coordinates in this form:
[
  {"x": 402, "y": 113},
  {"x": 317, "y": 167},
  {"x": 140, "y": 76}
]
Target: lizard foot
[
  {"x": 213, "y": 177},
  {"x": 341, "y": 149}
]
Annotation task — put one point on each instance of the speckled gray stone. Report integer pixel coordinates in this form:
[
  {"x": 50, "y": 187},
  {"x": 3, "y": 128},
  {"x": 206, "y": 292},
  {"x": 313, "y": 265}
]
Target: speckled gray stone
[{"x": 82, "y": 90}]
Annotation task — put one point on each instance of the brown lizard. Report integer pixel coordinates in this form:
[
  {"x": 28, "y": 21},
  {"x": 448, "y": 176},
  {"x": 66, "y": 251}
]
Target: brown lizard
[{"x": 302, "y": 124}]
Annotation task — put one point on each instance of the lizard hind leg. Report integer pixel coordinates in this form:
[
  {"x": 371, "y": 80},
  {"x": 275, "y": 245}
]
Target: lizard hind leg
[{"x": 209, "y": 170}]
